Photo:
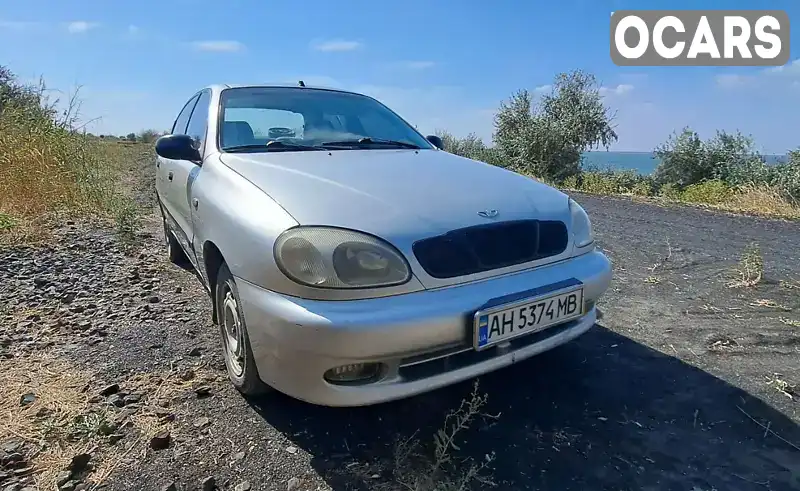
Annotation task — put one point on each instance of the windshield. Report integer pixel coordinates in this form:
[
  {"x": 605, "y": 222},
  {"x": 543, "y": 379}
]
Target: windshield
[{"x": 299, "y": 118}]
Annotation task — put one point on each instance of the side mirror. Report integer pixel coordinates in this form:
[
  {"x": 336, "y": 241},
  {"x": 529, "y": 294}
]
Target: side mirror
[
  {"x": 437, "y": 142},
  {"x": 177, "y": 147}
]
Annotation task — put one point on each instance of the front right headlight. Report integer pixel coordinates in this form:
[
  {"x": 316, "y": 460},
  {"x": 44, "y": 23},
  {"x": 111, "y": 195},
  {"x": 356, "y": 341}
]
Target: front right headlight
[
  {"x": 328, "y": 257},
  {"x": 581, "y": 225}
]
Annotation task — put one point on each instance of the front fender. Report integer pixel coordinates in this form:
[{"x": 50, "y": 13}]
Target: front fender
[{"x": 240, "y": 220}]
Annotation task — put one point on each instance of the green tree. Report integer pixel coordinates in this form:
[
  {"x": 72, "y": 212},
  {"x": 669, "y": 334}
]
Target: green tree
[
  {"x": 546, "y": 139},
  {"x": 131, "y": 137}
]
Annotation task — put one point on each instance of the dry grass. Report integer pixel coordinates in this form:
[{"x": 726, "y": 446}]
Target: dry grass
[
  {"x": 761, "y": 200},
  {"x": 60, "y": 422},
  {"x": 751, "y": 199},
  {"x": 751, "y": 268},
  {"x": 63, "y": 421}
]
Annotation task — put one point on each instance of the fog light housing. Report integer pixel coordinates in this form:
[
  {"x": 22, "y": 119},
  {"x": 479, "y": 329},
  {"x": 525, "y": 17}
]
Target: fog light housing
[{"x": 353, "y": 373}]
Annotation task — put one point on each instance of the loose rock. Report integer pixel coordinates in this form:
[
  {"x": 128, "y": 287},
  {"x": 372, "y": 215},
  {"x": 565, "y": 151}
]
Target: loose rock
[
  {"x": 242, "y": 486},
  {"x": 109, "y": 390},
  {"x": 201, "y": 422},
  {"x": 202, "y": 391},
  {"x": 79, "y": 462},
  {"x": 208, "y": 484},
  {"x": 160, "y": 440},
  {"x": 116, "y": 400},
  {"x": 27, "y": 399},
  {"x": 62, "y": 478},
  {"x": 293, "y": 484}
]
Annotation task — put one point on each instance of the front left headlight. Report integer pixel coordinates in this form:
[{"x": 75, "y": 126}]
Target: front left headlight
[
  {"x": 327, "y": 257},
  {"x": 581, "y": 225}
]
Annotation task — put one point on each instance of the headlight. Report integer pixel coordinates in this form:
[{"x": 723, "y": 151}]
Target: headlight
[
  {"x": 326, "y": 257},
  {"x": 581, "y": 225}
]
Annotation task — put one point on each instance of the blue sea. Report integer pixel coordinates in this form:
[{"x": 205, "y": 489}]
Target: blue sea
[{"x": 641, "y": 162}]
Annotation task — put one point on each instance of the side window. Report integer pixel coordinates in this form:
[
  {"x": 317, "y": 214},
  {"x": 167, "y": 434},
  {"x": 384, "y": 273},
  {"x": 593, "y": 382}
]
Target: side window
[
  {"x": 199, "y": 120},
  {"x": 179, "y": 128}
]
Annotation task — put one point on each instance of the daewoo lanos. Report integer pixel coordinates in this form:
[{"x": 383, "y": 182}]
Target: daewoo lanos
[{"x": 351, "y": 260}]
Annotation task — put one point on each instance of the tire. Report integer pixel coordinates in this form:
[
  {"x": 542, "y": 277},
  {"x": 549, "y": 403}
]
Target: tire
[{"x": 236, "y": 349}]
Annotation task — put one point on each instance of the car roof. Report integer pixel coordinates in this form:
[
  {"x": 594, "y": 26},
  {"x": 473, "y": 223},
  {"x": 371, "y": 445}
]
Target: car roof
[{"x": 219, "y": 87}]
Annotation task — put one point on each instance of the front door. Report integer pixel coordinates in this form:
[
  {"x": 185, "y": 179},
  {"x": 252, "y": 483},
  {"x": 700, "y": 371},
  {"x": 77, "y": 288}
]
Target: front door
[{"x": 168, "y": 172}]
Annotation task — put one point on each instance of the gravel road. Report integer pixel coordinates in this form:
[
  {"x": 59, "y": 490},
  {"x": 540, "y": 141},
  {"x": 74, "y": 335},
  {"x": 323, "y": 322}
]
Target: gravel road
[{"x": 674, "y": 389}]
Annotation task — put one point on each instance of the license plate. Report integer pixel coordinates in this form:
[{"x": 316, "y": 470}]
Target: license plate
[{"x": 504, "y": 322}]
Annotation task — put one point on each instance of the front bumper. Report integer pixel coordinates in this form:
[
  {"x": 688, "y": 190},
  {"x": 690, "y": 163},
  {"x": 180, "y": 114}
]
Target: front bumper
[{"x": 424, "y": 339}]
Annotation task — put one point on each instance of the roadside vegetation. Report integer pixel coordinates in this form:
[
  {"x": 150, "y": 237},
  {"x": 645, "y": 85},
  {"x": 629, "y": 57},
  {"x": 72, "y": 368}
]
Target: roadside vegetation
[
  {"x": 49, "y": 165},
  {"x": 545, "y": 137}
]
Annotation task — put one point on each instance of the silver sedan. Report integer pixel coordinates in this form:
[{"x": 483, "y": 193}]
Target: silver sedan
[{"x": 351, "y": 261}]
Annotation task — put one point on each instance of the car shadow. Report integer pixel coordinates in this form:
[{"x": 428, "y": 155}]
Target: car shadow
[{"x": 601, "y": 412}]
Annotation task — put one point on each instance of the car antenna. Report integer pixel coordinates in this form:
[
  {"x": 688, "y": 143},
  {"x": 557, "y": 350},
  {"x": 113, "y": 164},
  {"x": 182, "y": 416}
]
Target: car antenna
[{"x": 301, "y": 83}]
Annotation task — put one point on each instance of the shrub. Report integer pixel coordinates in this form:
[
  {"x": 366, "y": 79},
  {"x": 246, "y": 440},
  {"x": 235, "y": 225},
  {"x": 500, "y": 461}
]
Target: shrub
[
  {"x": 471, "y": 147},
  {"x": 669, "y": 190},
  {"x": 709, "y": 192},
  {"x": 642, "y": 188},
  {"x": 148, "y": 136}
]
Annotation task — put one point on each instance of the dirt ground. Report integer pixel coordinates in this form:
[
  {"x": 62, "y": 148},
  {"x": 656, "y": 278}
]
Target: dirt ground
[{"x": 685, "y": 383}]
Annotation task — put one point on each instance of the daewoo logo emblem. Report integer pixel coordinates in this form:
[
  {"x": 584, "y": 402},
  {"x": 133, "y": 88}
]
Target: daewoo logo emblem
[{"x": 488, "y": 213}]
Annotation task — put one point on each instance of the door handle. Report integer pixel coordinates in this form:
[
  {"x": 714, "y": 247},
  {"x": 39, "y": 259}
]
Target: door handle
[
  {"x": 195, "y": 203},
  {"x": 169, "y": 176}
]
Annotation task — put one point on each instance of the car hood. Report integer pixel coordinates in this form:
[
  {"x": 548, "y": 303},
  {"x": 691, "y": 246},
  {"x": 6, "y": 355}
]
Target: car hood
[{"x": 399, "y": 195}]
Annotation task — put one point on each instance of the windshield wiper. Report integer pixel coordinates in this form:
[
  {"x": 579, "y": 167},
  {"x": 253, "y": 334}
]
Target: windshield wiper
[
  {"x": 271, "y": 147},
  {"x": 371, "y": 141}
]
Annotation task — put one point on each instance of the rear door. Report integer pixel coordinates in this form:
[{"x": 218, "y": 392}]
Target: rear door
[{"x": 167, "y": 172}]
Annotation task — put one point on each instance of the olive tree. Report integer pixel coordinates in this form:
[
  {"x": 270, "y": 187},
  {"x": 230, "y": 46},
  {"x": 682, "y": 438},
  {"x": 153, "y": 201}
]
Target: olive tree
[{"x": 546, "y": 137}]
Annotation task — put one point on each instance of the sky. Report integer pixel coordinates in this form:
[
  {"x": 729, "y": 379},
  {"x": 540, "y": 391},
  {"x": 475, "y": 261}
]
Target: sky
[{"x": 440, "y": 65}]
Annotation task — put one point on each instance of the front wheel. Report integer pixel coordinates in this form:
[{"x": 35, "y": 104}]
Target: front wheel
[{"x": 236, "y": 347}]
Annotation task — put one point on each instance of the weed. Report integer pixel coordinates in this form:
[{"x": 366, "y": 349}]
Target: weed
[
  {"x": 442, "y": 471},
  {"x": 778, "y": 383},
  {"x": 7, "y": 222},
  {"x": 653, "y": 280},
  {"x": 751, "y": 268},
  {"x": 790, "y": 322}
]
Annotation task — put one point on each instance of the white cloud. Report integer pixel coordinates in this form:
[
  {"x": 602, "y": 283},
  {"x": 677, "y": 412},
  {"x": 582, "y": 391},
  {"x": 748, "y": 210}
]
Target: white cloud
[
  {"x": 133, "y": 29},
  {"x": 542, "y": 89},
  {"x": 80, "y": 26},
  {"x": 620, "y": 89},
  {"x": 732, "y": 80},
  {"x": 218, "y": 46},
  {"x": 10, "y": 25},
  {"x": 336, "y": 45},
  {"x": 790, "y": 69}
]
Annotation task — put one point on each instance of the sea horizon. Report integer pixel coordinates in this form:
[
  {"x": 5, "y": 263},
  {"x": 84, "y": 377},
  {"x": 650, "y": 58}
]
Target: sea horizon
[{"x": 642, "y": 162}]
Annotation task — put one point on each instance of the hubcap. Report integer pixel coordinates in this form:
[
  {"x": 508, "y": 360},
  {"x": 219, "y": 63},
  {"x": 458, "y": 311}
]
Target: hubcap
[{"x": 232, "y": 334}]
